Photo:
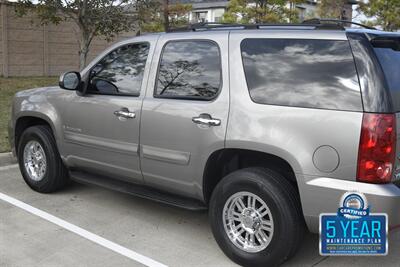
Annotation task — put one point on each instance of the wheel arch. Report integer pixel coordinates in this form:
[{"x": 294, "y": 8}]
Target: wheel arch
[
  {"x": 224, "y": 161},
  {"x": 29, "y": 119}
]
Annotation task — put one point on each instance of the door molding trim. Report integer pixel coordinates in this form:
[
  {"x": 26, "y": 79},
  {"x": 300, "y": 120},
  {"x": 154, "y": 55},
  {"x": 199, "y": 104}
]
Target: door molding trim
[
  {"x": 167, "y": 155},
  {"x": 101, "y": 143}
]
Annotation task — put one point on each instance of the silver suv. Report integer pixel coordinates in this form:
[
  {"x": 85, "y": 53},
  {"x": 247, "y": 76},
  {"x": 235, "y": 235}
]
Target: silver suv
[{"x": 266, "y": 126}]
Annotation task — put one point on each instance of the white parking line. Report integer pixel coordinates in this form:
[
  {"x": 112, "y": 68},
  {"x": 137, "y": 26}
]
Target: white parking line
[
  {"x": 4, "y": 168},
  {"x": 82, "y": 232}
]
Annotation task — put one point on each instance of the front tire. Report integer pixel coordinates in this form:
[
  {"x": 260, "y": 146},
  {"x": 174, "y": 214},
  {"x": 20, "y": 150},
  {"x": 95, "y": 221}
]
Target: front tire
[
  {"x": 39, "y": 161},
  {"x": 256, "y": 217}
]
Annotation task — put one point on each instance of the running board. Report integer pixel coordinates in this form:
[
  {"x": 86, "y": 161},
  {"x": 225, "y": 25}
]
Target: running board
[{"x": 137, "y": 190}]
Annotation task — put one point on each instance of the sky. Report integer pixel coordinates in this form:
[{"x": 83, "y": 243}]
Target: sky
[{"x": 358, "y": 17}]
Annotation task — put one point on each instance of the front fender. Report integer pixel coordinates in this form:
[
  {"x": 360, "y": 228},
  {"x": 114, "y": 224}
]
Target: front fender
[{"x": 42, "y": 103}]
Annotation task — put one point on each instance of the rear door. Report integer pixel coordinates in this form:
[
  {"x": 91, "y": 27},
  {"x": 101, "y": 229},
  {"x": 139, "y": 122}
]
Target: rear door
[{"x": 185, "y": 111}]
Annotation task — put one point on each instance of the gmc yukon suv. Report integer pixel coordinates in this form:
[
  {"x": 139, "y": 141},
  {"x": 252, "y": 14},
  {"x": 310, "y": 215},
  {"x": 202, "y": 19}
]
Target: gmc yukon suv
[{"x": 266, "y": 126}]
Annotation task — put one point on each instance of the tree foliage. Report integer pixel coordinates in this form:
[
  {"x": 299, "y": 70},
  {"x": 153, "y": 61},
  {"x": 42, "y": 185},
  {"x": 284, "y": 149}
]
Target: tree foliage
[
  {"x": 178, "y": 14},
  {"x": 105, "y": 18},
  {"x": 385, "y": 13},
  {"x": 293, "y": 14},
  {"x": 331, "y": 9},
  {"x": 261, "y": 11},
  {"x": 149, "y": 16},
  {"x": 156, "y": 15}
]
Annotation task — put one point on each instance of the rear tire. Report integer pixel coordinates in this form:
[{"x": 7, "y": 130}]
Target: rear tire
[
  {"x": 276, "y": 212},
  {"x": 39, "y": 160}
]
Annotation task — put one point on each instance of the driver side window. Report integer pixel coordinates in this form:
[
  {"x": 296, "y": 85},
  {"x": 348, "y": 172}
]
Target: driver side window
[{"x": 120, "y": 72}]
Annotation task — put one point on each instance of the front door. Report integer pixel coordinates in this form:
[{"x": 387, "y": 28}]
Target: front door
[
  {"x": 185, "y": 111},
  {"x": 101, "y": 127}
]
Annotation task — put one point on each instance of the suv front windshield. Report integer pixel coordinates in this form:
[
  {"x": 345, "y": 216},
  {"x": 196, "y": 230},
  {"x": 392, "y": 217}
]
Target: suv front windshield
[{"x": 388, "y": 53}]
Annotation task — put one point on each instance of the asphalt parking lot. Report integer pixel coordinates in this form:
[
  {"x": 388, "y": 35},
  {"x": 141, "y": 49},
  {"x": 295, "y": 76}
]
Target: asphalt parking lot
[{"x": 164, "y": 234}]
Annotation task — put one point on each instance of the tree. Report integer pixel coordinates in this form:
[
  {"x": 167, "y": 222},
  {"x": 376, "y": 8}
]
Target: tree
[
  {"x": 178, "y": 14},
  {"x": 385, "y": 12},
  {"x": 293, "y": 13},
  {"x": 105, "y": 18},
  {"x": 149, "y": 16},
  {"x": 165, "y": 12},
  {"x": 157, "y": 15},
  {"x": 261, "y": 11},
  {"x": 237, "y": 12},
  {"x": 331, "y": 8},
  {"x": 269, "y": 11}
]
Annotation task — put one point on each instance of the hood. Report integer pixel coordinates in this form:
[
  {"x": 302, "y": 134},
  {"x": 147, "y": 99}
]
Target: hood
[{"x": 39, "y": 91}]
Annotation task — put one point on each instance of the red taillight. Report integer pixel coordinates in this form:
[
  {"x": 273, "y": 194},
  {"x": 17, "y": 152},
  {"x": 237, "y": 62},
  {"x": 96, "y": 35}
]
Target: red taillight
[{"x": 376, "y": 154}]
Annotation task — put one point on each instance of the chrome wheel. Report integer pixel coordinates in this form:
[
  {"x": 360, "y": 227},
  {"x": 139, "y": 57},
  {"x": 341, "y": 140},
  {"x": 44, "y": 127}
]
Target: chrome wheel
[
  {"x": 35, "y": 160},
  {"x": 248, "y": 222}
]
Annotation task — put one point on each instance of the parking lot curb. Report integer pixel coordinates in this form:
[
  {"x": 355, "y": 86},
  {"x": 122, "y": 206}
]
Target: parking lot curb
[{"x": 7, "y": 159}]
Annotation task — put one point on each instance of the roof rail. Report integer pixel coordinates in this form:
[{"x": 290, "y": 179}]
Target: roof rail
[
  {"x": 203, "y": 26},
  {"x": 336, "y": 21}
]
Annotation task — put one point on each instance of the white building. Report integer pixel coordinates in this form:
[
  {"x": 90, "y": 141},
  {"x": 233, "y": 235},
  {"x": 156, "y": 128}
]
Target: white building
[
  {"x": 205, "y": 10},
  {"x": 307, "y": 9}
]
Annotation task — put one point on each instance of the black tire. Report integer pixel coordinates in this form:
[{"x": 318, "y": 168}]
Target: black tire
[
  {"x": 56, "y": 175},
  {"x": 284, "y": 204}
]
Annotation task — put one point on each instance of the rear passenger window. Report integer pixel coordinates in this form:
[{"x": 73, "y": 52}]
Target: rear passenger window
[
  {"x": 189, "y": 70},
  {"x": 301, "y": 73}
]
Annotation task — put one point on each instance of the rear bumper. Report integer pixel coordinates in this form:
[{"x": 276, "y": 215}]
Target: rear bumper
[{"x": 322, "y": 195}]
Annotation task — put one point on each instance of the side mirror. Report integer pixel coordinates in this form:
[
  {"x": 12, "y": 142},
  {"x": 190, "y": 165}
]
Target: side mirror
[{"x": 70, "y": 80}]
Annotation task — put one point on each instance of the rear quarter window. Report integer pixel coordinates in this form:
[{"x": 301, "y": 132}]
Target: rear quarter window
[
  {"x": 301, "y": 73},
  {"x": 390, "y": 62}
]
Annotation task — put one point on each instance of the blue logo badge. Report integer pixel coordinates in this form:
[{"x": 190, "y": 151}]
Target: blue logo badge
[{"x": 353, "y": 230}]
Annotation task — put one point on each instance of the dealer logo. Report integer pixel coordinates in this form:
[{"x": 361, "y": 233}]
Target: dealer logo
[
  {"x": 353, "y": 206},
  {"x": 353, "y": 230}
]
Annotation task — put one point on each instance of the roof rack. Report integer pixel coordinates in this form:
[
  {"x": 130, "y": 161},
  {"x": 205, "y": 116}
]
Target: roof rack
[
  {"x": 337, "y": 22},
  {"x": 315, "y": 23},
  {"x": 204, "y": 26}
]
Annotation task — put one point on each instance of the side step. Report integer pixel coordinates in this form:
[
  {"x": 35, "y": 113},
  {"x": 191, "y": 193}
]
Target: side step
[{"x": 137, "y": 190}]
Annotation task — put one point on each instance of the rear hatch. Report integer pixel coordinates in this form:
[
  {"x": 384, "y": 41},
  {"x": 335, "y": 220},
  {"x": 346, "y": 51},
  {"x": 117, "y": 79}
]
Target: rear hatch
[{"x": 387, "y": 49}]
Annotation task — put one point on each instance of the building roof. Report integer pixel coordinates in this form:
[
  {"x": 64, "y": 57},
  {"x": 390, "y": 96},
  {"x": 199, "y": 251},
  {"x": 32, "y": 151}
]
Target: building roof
[
  {"x": 210, "y": 4},
  {"x": 202, "y": 4}
]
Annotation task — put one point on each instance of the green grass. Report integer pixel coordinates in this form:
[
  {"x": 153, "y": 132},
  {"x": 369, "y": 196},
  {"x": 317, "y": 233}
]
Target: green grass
[{"x": 8, "y": 87}]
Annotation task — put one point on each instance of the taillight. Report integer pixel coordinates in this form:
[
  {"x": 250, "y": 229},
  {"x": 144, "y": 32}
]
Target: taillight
[{"x": 376, "y": 154}]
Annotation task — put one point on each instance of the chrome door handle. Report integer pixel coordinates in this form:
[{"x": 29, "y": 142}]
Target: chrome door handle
[
  {"x": 206, "y": 119},
  {"x": 125, "y": 113}
]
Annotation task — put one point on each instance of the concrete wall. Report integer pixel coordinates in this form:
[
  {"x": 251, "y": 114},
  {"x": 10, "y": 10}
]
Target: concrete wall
[{"x": 27, "y": 49}]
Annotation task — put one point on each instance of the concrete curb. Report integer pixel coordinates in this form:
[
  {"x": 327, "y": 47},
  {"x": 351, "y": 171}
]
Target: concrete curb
[{"x": 7, "y": 159}]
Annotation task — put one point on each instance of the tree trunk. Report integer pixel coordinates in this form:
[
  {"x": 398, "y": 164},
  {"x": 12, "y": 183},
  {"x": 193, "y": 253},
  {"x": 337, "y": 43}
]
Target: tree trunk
[
  {"x": 85, "y": 37},
  {"x": 166, "y": 14},
  {"x": 83, "y": 49},
  {"x": 82, "y": 58},
  {"x": 291, "y": 10}
]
